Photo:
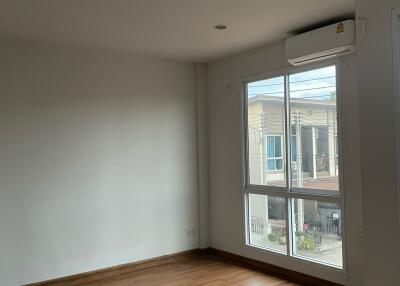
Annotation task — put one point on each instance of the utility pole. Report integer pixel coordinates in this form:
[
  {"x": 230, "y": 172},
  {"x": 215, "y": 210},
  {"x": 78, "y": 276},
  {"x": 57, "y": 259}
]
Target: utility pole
[
  {"x": 263, "y": 148},
  {"x": 314, "y": 137},
  {"x": 299, "y": 165},
  {"x": 299, "y": 156},
  {"x": 264, "y": 170}
]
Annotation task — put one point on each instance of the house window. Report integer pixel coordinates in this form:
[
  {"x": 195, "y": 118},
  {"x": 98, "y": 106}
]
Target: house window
[
  {"x": 274, "y": 153},
  {"x": 292, "y": 193}
]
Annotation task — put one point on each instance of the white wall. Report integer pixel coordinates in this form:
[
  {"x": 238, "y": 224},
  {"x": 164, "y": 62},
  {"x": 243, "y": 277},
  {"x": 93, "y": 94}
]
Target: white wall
[
  {"x": 380, "y": 207},
  {"x": 227, "y": 203},
  {"x": 97, "y": 160}
]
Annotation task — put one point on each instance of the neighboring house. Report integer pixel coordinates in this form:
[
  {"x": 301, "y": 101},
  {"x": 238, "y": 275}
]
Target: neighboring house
[
  {"x": 314, "y": 159},
  {"x": 313, "y": 152}
]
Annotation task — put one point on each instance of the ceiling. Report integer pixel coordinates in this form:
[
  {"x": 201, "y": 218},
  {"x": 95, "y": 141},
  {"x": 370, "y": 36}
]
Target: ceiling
[{"x": 173, "y": 29}]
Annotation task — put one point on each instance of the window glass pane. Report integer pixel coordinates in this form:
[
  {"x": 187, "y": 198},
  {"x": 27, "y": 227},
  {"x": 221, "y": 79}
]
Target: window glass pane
[
  {"x": 314, "y": 129},
  {"x": 278, "y": 148},
  {"x": 270, "y": 146},
  {"x": 267, "y": 222},
  {"x": 317, "y": 231},
  {"x": 271, "y": 164},
  {"x": 279, "y": 164},
  {"x": 266, "y": 132}
]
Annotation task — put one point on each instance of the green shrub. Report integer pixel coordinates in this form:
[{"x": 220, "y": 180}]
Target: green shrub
[
  {"x": 305, "y": 241},
  {"x": 277, "y": 235}
]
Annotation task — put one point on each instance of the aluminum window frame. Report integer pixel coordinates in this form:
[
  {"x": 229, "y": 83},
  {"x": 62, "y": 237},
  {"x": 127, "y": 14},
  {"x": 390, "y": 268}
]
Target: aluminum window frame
[
  {"x": 288, "y": 192},
  {"x": 396, "y": 92}
]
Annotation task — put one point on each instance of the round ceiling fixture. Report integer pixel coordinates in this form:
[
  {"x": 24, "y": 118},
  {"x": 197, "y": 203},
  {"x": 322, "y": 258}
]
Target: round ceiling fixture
[{"x": 220, "y": 27}]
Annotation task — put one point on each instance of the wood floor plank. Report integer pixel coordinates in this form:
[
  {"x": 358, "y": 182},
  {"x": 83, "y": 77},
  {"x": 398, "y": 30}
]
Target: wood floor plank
[{"x": 201, "y": 270}]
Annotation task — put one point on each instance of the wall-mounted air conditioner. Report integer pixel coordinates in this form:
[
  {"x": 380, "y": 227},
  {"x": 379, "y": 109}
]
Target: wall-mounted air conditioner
[{"x": 323, "y": 43}]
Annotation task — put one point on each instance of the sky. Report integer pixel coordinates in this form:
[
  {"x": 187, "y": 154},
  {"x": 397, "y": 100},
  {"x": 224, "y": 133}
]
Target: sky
[{"x": 318, "y": 84}]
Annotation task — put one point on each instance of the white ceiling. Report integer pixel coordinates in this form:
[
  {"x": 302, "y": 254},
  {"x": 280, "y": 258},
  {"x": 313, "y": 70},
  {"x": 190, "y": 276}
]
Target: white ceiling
[{"x": 173, "y": 29}]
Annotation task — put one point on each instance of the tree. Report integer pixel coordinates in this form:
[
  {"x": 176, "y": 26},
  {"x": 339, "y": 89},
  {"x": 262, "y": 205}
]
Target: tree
[{"x": 332, "y": 95}]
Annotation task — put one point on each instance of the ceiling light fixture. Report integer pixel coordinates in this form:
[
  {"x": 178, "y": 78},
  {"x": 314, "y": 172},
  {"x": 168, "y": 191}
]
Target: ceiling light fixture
[{"x": 220, "y": 27}]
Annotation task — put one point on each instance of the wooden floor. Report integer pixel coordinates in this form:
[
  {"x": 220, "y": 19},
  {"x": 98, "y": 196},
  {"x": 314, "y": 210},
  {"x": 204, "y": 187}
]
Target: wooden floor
[{"x": 201, "y": 270}]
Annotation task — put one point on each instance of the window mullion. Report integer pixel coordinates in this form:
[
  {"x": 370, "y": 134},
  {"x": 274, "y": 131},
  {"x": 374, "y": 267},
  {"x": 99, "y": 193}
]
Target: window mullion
[
  {"x": 287, "y": 134},
  {"x": 288, "y": 204}
]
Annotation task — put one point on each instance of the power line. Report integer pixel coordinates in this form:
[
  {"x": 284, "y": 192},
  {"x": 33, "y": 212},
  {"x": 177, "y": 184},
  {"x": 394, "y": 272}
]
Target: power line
[
  {"x": 268, "y": 93},
  {"x": 290, "y": 82},
  {"x": 265, "y": 85},
  {"x": 314, "y": 88},
  {"x": 312, "y": 79},
  {"x": 294, "y": 98}
]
